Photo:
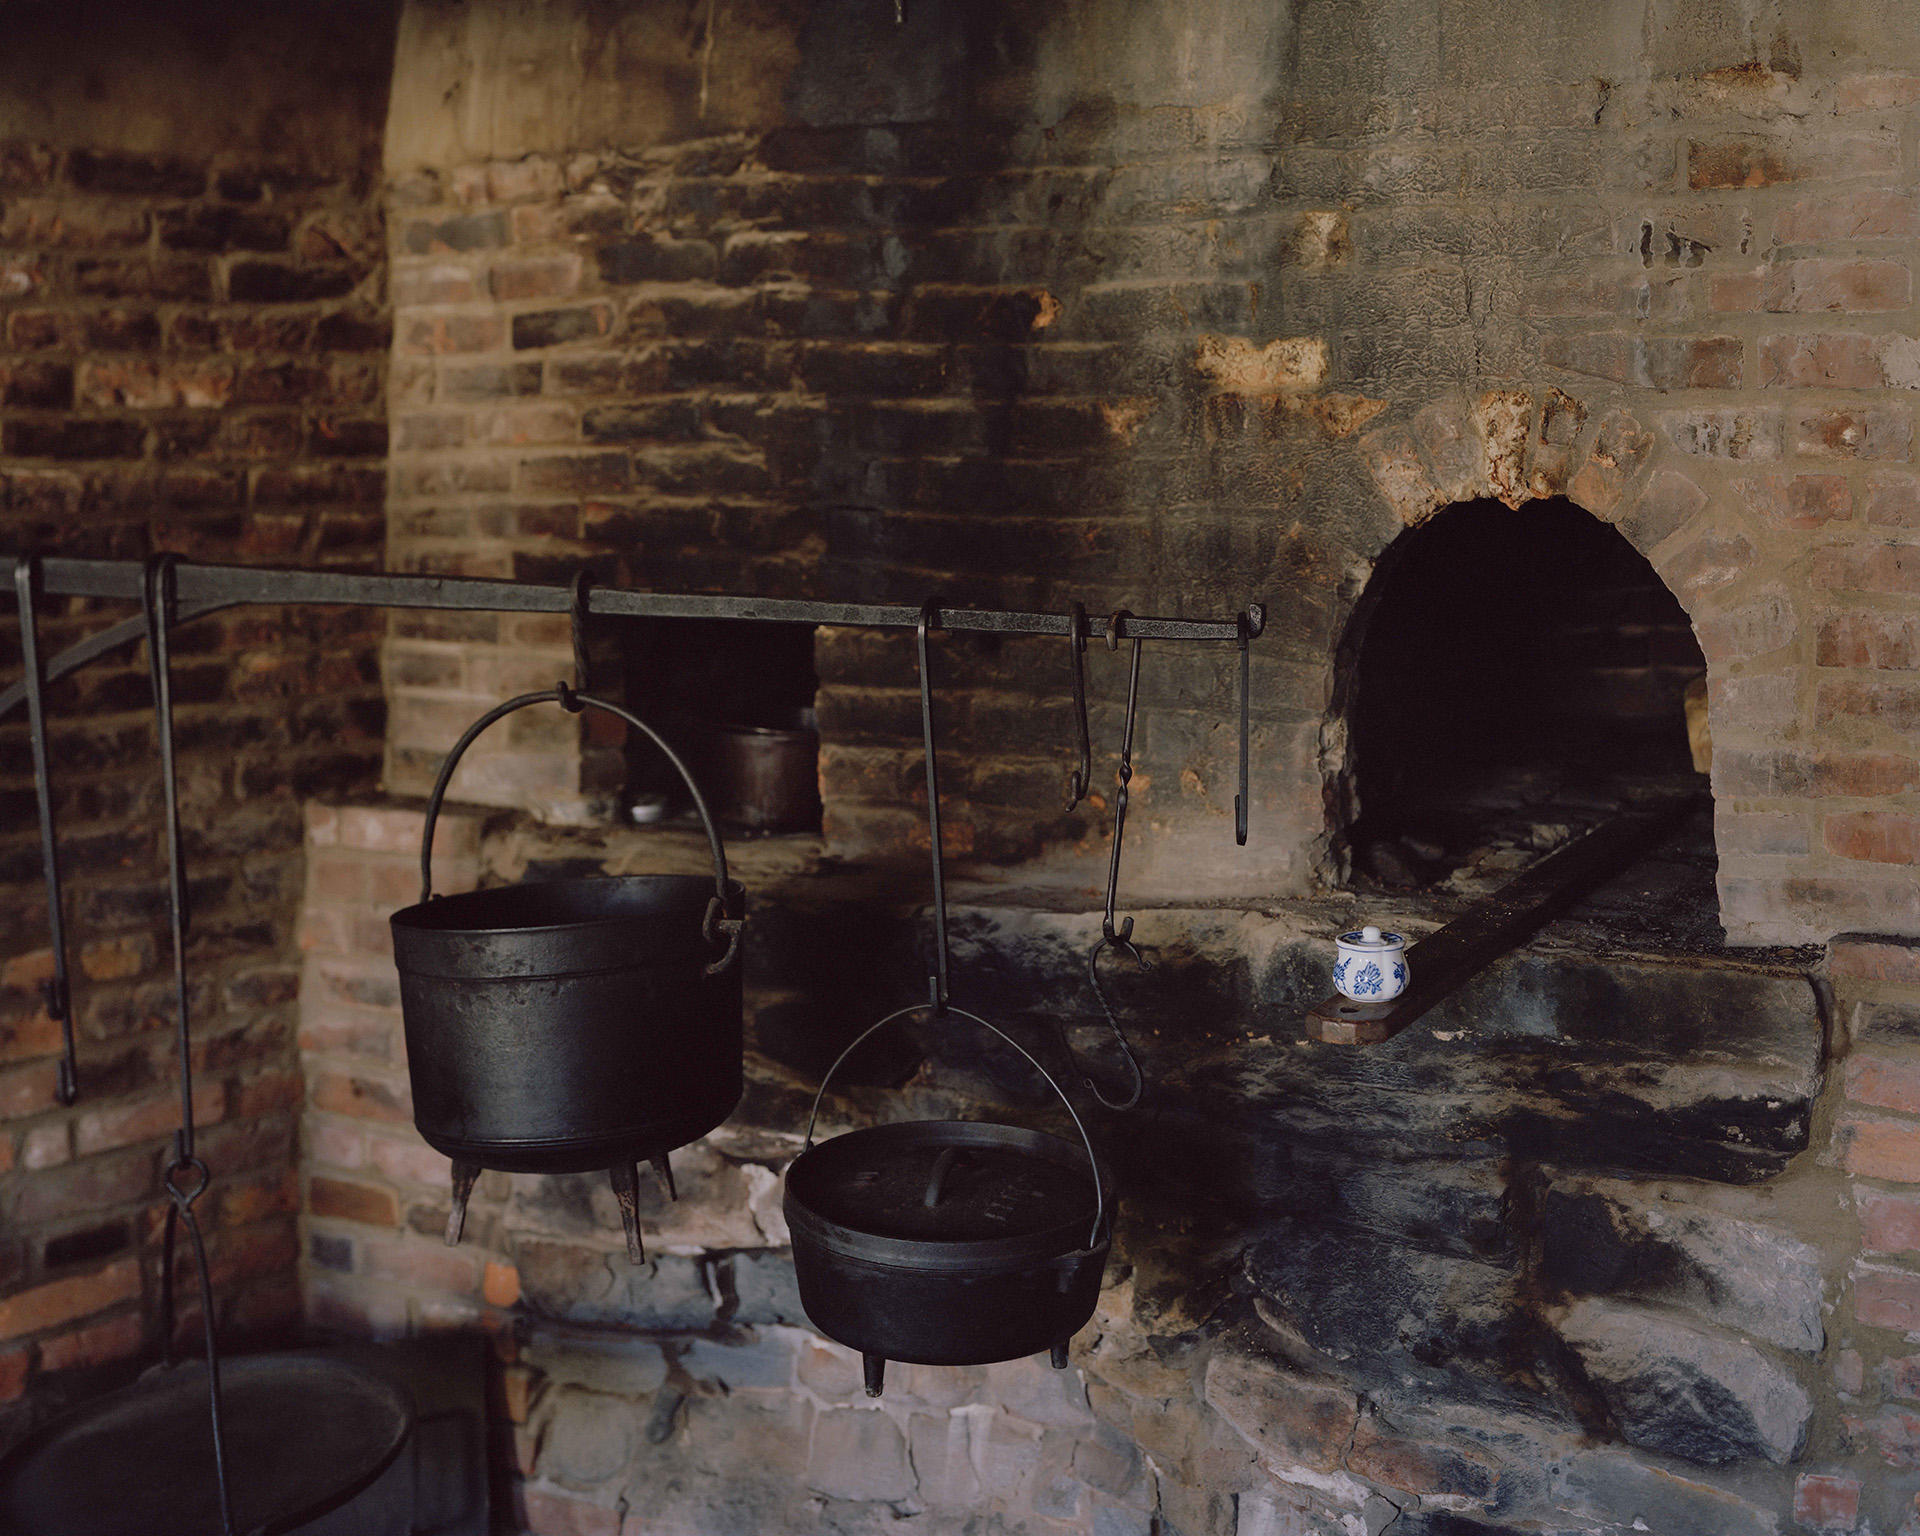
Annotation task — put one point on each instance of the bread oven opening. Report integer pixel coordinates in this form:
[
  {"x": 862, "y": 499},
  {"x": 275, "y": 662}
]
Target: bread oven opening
[{"x": 1511, "y": 678}]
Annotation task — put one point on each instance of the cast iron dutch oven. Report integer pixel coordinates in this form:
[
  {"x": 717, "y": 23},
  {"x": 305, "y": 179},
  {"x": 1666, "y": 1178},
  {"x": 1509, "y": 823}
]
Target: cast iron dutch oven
[
  {"x": 947, "y": 1242},
  {"x": 569, "y": 1025}
]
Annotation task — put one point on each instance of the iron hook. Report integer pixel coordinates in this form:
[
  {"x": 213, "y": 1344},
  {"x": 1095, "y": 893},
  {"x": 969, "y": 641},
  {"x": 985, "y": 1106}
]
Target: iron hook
[
  {"x": 577, "y": 613},
  {"x": 1243, "y": 622},
  {"x": 1080, "y": 780},
  {"x": 936, "y": 983},
  {"x": 1124, "y": 931},
  {"x": 1113, "y": 1022}
]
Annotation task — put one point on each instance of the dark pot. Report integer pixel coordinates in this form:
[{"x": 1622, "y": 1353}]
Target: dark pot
[
  {"x": 883, "y": 1278},
  {"x": 570, "y": 1025}
]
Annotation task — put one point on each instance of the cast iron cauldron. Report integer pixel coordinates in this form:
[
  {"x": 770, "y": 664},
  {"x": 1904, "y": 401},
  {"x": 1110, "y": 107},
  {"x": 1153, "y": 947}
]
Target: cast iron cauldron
[
  {"x": 568, "y": 1025},
  {"x": 947, "y": 1242}
]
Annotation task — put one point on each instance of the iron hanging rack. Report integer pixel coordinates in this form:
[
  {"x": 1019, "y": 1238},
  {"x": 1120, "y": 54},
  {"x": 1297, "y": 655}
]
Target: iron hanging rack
[{"x": 203, "y": 589}]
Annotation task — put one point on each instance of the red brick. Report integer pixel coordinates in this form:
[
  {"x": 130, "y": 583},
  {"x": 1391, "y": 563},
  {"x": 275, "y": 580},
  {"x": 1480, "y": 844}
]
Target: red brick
[
  {"x": 1862, "y": 213},
  {"x": 1873, "y": 958},
  {"x": 1894, "y": 705},
  {"x": 1893, "y": 1432},
  {"x": 1879, "y": 1149},
  {"x": 1867, "y": 638},
  {"x": 1887, "y": 1080},
  {"x": 15, "y": 1365},
  {"x": 1855, "y": 434},
  {"x": 367, "y": 1098},
  {"x": 1759, "y": 160},
  {"x": 115, "y": 1339},
  {"x": 1797, "y": 501},
  {"x": 48, "y": 1306},
  {"x": 1827, "y": 1501},
  {"x": 344, "y": 1201},
  {"x": 1849, "y": 286},
  {"x": 38, "y": 1034},
  {"x": 436, "y": 335},
  {"x": 553, "y": 1514},
  {"x": 28, "y": 1090},
  {"x": 1868, "y": 568},
  {"x": 1883, "y": 837},
  {"x": 1763, "y": 623},
  {"x": 123, "y": 1125},
  {"x": 1831, "y": 361},
  {"x": 1889, "y": 1221},
  {"x": 534, "y": 277},
  {"x": 1875, "y": 93},
  {"x": 409, "y": 1160},
  {"x": 1893, "y": 501},
  {"x": 1900, "y": 1376},
  {"x": 1795, "y": 774}
]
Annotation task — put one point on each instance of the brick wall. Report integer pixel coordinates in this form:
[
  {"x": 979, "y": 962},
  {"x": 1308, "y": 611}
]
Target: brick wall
[
  {"x": 1180, "y": 356},
  {"x": 192, "y": 358}
]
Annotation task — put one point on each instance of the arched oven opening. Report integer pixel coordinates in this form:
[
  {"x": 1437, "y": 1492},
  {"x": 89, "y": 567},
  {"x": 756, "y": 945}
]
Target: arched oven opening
[{"x": 1510, "y": 679}]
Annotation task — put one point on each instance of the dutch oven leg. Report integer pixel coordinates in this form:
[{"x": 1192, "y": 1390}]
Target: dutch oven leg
[
  {"x": 1058, "y": 1355},
  {"x": 463, "y": 1176},
  {"x": 875, "y": 1368},
  {"x": 625, "y": 1178},
  {"x": 663, "y": 1165}
]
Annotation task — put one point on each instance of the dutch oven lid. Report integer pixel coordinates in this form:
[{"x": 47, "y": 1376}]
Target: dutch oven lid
[{"x": 943, "y": 1194}]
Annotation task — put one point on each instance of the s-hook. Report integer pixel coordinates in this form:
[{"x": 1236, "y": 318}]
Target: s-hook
[
  {"x": 58, "y": 988},
  {"x": 937, "y": 982},
  {"x": 577, "y": 615},
  {"x": 1120, "y": 936},
  {"x": 1081, "y": 778},
  {"x": 186, "y": 1176}
]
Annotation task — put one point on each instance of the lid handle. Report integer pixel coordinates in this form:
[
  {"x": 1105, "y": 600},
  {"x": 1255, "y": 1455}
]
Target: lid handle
[{"x": 936, "y": 1009}]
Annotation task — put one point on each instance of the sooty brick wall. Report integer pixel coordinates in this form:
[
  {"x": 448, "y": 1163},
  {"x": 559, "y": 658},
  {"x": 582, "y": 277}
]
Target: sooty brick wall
[
  {"x": 1179, "y": 306},
  {"x": 193, "y": 332}
]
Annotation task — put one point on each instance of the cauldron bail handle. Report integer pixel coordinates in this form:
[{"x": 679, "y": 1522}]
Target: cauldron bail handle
[
  {"x": 715, "y": 925},
  {"x": 1093, "y": 1162}
]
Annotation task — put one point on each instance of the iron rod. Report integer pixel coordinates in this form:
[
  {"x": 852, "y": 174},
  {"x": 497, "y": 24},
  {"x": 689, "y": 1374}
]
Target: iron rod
[{"x": 202, "y": 588}]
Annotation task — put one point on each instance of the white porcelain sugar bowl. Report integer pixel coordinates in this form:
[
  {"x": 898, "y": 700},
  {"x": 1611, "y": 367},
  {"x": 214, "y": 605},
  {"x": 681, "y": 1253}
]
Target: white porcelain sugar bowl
[{"x": 1372, "y": 967}]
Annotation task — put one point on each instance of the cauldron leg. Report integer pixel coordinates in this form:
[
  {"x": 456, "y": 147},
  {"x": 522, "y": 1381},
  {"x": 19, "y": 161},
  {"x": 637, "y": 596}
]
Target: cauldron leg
[
  {"x": 463, "y": 1176},
  {"x": 875, "y": 1368},
  {"x": 663, "y": 1165},
  {"x": 625, "y": 1178},
  {"x": 1058, "y": 1355}
]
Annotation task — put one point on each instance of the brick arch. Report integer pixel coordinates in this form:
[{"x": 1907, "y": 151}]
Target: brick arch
[{"x": 1515, "y": 445}]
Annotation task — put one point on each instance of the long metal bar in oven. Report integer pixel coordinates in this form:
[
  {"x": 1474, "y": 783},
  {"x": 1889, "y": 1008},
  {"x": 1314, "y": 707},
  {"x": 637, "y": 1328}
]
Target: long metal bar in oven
[{"x": 1445, "y": 961}]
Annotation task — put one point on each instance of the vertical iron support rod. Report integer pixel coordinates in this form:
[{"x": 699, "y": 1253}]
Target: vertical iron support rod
[
  {"x": 1242, "y": 800},
  {"x": 26, "y": 578},
  {"x": 158, "y": 597},
  {"x": 936, "y": 983},
  {"x": 1080, "y": 780},
  {"x": 1125, "y": 930}
]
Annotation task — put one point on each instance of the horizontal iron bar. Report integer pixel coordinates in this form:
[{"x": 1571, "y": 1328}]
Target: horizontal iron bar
[{"x": 207, "y": 587}]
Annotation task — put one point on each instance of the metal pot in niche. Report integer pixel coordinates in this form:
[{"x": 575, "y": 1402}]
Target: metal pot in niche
[
  {"x": 568, "y": 1025},
  {"x": 948, "y": 1242}
]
